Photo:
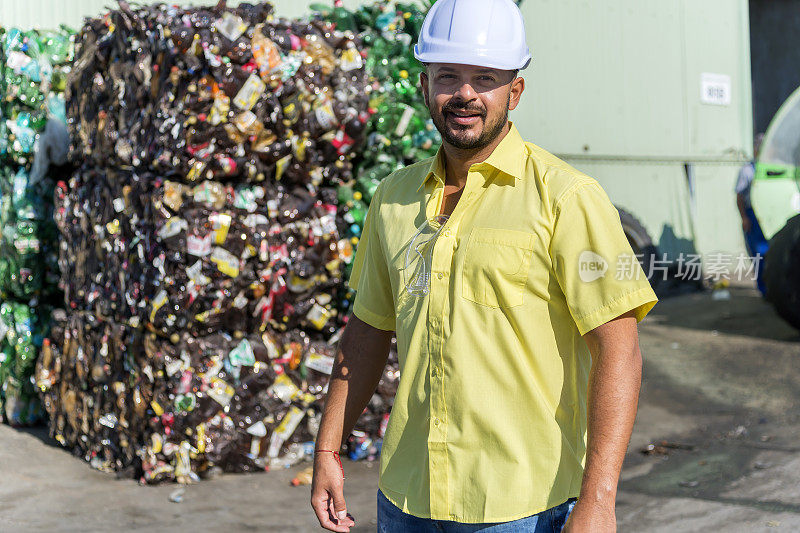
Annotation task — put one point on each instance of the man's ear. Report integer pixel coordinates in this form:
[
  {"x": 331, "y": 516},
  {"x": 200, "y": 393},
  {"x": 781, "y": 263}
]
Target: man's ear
[
  {"x": 423, "y": 82},
  {"x": 517, "y": 88}
]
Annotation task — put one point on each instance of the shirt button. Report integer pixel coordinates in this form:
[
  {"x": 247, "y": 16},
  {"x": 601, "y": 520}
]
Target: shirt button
[
  {"x": 447, "y": 233},
  {"x": 440, "y": 275},
  {"x": 436, "y": 422}
]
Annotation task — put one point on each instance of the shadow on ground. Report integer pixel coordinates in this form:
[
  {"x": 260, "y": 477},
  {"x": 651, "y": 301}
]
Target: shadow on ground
[
  {"x": 729, "y": 316},
  {"x": 41, "y": 432}
]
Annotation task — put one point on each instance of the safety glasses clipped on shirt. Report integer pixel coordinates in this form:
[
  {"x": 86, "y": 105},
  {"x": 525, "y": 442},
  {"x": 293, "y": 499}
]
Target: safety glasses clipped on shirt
[{"x": 419, "y": 256}]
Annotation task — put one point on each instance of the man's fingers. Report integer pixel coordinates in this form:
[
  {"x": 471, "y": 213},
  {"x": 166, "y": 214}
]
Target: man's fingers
[
  {"x": 321, "y": 510},
  {"x": 348, "y": 520},
  {"x": 322, "y": 503},
  {"x": 339, "y": 505},
  {"x": 340, "y": 508}
]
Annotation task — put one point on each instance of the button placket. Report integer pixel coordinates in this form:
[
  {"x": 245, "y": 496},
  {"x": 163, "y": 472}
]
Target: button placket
[{"x": 438, "y": 306}]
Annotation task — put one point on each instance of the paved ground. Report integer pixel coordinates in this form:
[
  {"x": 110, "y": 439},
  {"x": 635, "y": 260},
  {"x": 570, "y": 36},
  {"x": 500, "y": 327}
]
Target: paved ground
[
  {"x": 722, "y": 384},
  {"x": 721, "y": 388}
]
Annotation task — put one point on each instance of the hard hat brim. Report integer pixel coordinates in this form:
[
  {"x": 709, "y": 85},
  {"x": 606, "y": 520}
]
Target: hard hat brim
[{"x": 477, "y": 60}]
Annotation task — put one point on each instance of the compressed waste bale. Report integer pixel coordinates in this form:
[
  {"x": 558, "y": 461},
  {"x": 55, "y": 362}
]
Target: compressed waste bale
[
  {"x": 28, "y": 289},
  {"x": 22, "y": 329},
  {"x": 217, "y": 93},
  {"x": 28, "y": 245},
  {"x": 33, "y": 140},
  {"x": 109, "y": 390},
  {"x": 106, "y": 252},
  {"x": 136, "y": 272},
  {"x": 246, "y": 256},
  {"x": 35, "y": 66},
  {"x": 130, "y": 401},
  {"x": 202, "y": 257}
]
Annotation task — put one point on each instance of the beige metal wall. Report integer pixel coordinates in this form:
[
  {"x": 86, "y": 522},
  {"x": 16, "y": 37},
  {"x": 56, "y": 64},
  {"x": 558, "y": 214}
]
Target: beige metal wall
[{"x": 622, "y": 78}]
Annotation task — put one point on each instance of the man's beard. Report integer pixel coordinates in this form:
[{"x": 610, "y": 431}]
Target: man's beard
[{"x": 489, "y": 133}]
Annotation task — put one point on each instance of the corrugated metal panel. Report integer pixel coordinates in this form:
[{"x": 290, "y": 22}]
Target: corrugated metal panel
[{"x": 51, "y": 13}]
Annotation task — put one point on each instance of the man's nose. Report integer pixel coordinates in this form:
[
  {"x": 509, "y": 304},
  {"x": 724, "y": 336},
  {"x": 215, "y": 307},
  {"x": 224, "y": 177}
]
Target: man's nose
[{"x": 466, "y": 92}]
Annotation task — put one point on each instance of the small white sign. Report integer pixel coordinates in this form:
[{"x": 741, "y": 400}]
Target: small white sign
[{"x": 715, "y": 89}]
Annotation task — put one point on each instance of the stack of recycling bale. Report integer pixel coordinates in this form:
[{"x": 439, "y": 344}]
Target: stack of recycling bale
[
  {"x": 400, "y": 130},
  {"x": 202, "y": 256},
  {"x": 33, "y": 69}
]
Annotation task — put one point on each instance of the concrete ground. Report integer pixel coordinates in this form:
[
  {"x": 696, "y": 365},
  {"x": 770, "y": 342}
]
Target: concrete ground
[{"x": 719, "y": 402}]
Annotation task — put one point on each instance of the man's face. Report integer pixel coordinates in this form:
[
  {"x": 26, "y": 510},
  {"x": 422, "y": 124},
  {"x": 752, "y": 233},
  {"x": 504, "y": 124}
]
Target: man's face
[{"x": 469, "y": 104}]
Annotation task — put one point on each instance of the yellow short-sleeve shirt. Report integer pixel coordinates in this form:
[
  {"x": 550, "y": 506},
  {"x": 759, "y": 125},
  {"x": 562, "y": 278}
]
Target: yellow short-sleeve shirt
[{"x": 489, "y": 421}]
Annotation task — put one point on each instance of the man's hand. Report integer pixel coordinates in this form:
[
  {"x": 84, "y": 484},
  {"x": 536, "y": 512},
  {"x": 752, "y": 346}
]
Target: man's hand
[
  {"x": 327, "y": 494},
  {"x": 586, "y": 518},
  {"x": 746, "y": 224}
]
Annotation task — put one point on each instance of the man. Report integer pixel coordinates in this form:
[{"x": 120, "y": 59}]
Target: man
[
  {"x": 500, "y": 401},
  {"x": 754, "y": 239}
]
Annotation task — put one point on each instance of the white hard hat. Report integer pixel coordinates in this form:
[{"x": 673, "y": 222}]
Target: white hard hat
[{"x": 487, "y": 33}]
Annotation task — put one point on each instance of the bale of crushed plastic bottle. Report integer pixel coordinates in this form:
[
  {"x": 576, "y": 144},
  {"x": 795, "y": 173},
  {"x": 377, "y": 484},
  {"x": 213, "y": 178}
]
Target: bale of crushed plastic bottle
[
  {"x": 33, "y": 144},
  {"x": 202, "y": 257},
  {"x": 218, "y": 93},
  {"x": 157, "y": 409}
]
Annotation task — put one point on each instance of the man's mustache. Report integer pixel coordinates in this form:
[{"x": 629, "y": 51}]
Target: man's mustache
[{"x": 450, "y": 108}]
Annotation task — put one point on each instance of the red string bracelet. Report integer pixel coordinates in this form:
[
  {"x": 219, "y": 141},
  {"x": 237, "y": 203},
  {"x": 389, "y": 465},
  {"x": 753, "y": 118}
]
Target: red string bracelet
[{"x": 335, "y": 454}]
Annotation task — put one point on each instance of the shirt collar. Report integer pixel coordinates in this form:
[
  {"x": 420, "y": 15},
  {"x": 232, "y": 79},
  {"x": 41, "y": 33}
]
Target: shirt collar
[{"x": 506, "y": 157}]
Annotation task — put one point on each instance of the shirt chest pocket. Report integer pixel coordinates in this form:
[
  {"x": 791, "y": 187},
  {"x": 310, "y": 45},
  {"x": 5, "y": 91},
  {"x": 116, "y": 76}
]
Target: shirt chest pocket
[{"x": 496, "y": 265}]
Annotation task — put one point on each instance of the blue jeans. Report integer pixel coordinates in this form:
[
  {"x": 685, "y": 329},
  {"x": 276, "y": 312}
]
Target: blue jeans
[
  {"x": 756, "y": 243},
  {"x": 393, "y": 520}
]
